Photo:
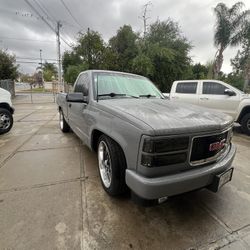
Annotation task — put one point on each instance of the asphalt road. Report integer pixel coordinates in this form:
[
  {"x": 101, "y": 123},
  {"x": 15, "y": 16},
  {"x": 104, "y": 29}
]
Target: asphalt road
[{"x": 51, "y": 197}]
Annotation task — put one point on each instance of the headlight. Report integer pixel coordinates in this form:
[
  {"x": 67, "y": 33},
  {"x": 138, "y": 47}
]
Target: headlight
[
  {"x": 154, "y": 149},
  {"x": 162, "y": 160},
  {"x": 165, "y": 145}
]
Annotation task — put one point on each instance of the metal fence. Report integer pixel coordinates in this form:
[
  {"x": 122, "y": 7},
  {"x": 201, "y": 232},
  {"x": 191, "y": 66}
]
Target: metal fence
[{"x": 27, "y": 93}]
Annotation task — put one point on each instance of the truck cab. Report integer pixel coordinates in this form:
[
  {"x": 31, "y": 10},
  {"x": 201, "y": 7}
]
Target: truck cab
[{"x": 217, "y": 95}]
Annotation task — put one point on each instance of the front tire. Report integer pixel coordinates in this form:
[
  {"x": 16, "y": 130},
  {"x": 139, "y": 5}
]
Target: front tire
[
  {"x": 64, "y": 126},
  {"x": 6, "y": 121},
  {"x": 112, "y": 166},
  {"x": 245, "y": 124}
]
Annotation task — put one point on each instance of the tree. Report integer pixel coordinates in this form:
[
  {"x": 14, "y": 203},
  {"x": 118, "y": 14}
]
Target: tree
[
  {"x": 162, "y": 55},
  {"x": 143, "y": 65},
  {"x": 229, "y": 30},
  {"x": 8, "y": 69},
  {"x": 73, "y": 71},
  {"x": 70, "y": 58},
  {"x": 49, "y": 71},
  {"x": 199, "y": 71},
  {"x": 124, "y": 48},
  {"x": 90, "y": 48},
  {"x": 241, "y": 62},
  {"x": 168, "y": 51},
  {"x": 89, "y": 53}
]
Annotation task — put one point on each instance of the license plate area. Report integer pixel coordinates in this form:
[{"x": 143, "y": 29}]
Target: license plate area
[{"x": 220, "y": 180}]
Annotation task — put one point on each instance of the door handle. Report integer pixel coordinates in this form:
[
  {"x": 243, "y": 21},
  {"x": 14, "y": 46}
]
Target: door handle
[
  {"x": 204, "y": 98},
  {"x": 70, "y": 105}
]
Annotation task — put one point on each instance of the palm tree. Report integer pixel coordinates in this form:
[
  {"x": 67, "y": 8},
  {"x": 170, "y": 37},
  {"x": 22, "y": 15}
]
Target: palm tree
[{"x": 229, "y": 30}]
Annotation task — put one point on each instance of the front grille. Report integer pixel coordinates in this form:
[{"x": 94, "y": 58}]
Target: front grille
[{"x": 202, "y": 150}]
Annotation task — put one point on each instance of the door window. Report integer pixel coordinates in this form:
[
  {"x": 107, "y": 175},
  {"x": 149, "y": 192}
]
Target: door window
[
  {"x": 186, "y": 87},
  {"x": 82, "y": 84},
  {"x": 213, "y": 88}
]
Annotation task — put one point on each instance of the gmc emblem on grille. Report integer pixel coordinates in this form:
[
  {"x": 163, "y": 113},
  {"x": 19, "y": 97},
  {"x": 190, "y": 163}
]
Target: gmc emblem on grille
[{"x": 217, "y": 145}]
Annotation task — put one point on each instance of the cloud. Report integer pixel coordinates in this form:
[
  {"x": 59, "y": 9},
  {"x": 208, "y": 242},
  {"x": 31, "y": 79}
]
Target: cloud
[{"x": 195, "y": 18}]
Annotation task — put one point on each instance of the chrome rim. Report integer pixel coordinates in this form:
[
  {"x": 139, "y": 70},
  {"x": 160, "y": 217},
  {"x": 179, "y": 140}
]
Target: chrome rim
[
  {"x": 61, "y": 119},
  {"x": 248, "y": 124},
  {"x": 4, "y": 121},
  {"x": 104, "y": 164}
]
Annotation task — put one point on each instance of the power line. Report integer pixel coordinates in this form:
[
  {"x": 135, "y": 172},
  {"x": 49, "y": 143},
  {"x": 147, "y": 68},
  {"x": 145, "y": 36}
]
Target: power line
[
  {"x": 66, "y": 7},
  {"x": 38, "y": 13},
  {"x": 43, "y": 10},
  {"x": 46, "y": 10}
]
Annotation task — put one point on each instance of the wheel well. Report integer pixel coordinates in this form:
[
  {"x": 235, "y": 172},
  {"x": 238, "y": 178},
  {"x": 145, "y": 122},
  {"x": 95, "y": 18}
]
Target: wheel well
[
  {"x": 94, "y": 139},
  {"x": 96, "y": 135},
  {"x": 6, "y": 106},
  {"x": 244, "y": 111}
]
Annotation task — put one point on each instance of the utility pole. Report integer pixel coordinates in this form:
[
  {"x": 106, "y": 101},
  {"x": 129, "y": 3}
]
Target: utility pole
[
  {"x": 89, "y": 56},
  {"x": 144, "y": 17},
  {"x": 41, "y": 64},
  {"x": 59, "y": 25}
]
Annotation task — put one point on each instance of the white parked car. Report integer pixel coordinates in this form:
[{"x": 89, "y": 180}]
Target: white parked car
[
  {"x": 6, "y": 111},
  {"x": 215, "y": 95}
]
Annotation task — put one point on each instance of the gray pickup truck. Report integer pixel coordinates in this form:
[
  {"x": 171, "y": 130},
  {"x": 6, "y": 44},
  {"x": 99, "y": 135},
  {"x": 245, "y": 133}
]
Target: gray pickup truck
[{"x": 144, "y": 142}]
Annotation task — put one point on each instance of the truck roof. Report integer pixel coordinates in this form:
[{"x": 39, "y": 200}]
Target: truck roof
[{"x": 110, "y": 71}]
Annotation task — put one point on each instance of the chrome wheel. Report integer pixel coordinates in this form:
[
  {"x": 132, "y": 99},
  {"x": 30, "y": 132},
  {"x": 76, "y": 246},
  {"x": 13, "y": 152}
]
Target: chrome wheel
[
  {"x": 248, "y": 124},
  {"x": 60, "y": 119},
  {"x": 5, "y": 121},
  {"x": 104, "y": 163}
]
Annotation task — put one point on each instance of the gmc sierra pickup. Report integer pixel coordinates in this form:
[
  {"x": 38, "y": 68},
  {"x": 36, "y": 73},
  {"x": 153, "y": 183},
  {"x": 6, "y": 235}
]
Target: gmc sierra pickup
[
  {"x": 217, "y": 95},
  {"x": 6, "y": 111},
  {"x": 144, "y": 142}
]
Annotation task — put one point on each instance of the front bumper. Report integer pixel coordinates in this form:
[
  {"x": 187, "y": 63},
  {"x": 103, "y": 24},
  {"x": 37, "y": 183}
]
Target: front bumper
[{"x": 154, "y": 188}]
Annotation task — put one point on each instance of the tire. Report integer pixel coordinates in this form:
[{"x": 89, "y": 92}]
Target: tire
[
  {"x": 245, "y": 124},
  {"x": 114, "y": 183},
  {"x": 6, "y": 121},
  {"x": 64, "y": 126}
]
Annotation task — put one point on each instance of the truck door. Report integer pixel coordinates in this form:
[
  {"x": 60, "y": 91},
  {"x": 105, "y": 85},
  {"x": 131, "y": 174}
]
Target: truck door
[
  {"x": 213, "y": 96},
  {"x": 185, "y": 92},
  {"x": 77, "y": 111}
]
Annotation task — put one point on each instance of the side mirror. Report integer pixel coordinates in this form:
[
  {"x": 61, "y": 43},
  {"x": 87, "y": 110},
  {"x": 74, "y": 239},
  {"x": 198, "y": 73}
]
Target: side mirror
[
  {"x": 229, "y": 92},
  {"x": 76, "y": 97}
]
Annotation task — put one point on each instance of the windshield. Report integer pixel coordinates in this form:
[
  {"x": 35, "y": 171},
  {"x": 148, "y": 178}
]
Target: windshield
[{"x": 117, "y": 85}]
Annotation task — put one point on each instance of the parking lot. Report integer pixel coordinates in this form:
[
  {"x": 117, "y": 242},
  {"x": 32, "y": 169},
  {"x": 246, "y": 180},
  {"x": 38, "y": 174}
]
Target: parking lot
[{"x": 51, "y": 197}]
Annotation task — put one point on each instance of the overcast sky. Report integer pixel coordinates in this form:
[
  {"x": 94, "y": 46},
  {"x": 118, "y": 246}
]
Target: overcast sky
[{"x": 24, "y": 34}]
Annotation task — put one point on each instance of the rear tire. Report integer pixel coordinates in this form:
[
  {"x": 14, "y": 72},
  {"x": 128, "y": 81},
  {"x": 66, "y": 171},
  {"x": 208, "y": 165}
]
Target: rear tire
[
  {"x": 112, "y": 166},
  {"x": 64, "y": 126},
  {"x": 245, "y": 124},
  {"x": 6, "y": 121}
]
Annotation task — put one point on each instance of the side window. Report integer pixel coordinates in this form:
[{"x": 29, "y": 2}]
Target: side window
[
  {"x": 213, "y": 88},
  {"x": 186, "y": 87},
  {"x": 78, "y": 85},
  {"x": 82, "y": 84}
]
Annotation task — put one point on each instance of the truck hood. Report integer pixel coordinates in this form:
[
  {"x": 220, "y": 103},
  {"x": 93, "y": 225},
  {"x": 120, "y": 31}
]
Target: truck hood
[{"x": 166, "y": 117}]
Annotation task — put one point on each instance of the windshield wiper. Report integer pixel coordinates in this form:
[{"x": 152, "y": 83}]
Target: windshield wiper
[
  {"x": 112, "y": 94},
  {"x": 115, "y": 94},
  {"x": 148, "y": 96}
]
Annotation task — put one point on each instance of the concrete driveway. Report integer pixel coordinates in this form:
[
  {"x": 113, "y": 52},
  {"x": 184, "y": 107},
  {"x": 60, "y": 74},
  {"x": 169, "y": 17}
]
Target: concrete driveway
[{"x": 51, "y": 198}]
